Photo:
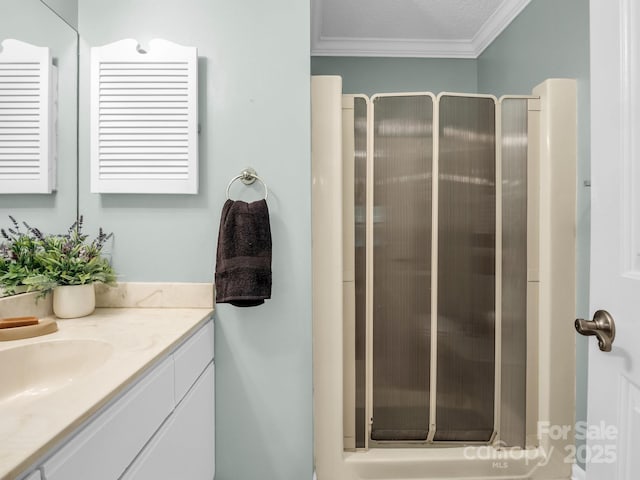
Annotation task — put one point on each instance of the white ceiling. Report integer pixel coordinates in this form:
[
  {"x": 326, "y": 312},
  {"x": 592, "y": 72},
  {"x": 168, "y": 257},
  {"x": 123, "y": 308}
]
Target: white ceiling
[{"x": 409, "y": 28}]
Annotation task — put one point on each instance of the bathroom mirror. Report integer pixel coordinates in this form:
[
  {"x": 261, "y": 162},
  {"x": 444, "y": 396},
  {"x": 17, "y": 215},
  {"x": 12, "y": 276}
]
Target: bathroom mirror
[
  {"x": 67, "y": 10},
  {"x": 49, "y": 23}
]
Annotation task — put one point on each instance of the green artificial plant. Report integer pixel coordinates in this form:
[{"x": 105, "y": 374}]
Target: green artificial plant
[{"x": 42, "y": 262}]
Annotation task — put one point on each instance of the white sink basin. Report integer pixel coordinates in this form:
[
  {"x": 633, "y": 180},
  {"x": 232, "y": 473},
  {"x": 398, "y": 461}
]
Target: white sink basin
[{"x": 30, "y": 371}]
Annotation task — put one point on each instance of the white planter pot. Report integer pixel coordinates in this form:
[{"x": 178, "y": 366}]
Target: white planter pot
[{"x": 73, "y": 301}]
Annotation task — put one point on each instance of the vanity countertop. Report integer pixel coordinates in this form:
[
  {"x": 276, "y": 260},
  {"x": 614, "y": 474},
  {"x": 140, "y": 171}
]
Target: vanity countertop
[{"x": 30, "y": 425}]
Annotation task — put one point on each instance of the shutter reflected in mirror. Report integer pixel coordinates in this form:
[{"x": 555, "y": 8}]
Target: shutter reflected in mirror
[
  {"x": 28, "y": 86},
  {"x": 144, "y": 119}
]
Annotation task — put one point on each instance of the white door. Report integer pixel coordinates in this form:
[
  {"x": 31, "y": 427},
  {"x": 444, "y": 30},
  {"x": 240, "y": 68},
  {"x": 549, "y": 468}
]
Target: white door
[{"x": 613, "y": 436}]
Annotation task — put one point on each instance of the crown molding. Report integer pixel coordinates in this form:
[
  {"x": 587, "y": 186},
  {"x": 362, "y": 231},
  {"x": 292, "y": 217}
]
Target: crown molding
[
  {"x": 497, "y": 23},
  {"x": 417, "y": 48},
  {"x": 391, "y": 47}
]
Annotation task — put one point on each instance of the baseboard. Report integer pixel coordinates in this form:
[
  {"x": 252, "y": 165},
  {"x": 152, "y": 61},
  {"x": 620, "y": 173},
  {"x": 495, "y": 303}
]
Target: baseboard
[{"x": 578, "y": 473}]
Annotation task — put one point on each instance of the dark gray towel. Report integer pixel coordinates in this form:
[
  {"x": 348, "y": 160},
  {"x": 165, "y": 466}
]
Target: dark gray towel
[{"x": 243, "y": 259}]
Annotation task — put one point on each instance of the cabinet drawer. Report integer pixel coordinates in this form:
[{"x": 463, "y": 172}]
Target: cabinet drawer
[
  {"x": 192, "y": 358},
  {"x": 184, "y": 447},
  {"x": 105, "y": 447}
]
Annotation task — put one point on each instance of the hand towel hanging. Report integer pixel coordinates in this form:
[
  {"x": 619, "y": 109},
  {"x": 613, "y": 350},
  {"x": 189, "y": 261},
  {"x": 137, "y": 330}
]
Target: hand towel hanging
[{"x": 243, "y": 258}]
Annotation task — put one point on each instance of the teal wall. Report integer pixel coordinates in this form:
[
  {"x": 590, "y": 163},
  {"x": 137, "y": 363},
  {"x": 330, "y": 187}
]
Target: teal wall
[
  {"x": 551, "y": 39},
  {"x": 369, "y": 75},
  {"x": 254, "y": 111}
]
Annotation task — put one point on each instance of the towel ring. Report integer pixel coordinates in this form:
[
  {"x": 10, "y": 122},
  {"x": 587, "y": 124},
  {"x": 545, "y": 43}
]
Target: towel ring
[{"x": 248, "y": 176}]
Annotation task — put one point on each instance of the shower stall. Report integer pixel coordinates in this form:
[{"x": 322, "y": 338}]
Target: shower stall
[{"x": 443, "y": 282}]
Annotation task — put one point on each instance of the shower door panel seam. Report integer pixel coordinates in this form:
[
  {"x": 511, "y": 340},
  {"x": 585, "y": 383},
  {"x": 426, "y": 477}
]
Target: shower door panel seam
[
  {"x": 369, "y": 278},
  {"x": 435, "y": 168},
  {"x": 498, "y": 280}
]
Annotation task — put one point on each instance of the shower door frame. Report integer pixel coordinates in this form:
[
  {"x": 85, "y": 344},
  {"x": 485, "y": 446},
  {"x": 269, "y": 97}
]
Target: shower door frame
[{"x": 433, "y": 363}]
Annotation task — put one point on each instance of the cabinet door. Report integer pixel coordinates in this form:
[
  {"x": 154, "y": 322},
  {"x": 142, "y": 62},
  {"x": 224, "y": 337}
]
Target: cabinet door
[
  {"x": 191, "y": 359},
  {"x": 103, "y": 449},
  {"x": 184, "y": 446}
]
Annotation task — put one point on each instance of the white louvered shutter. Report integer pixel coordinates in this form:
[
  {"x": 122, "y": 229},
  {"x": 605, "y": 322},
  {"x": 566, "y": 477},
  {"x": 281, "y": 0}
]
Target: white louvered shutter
[
  {"x": 144, "y": 118},
  {"x": 28, "y": 95}
]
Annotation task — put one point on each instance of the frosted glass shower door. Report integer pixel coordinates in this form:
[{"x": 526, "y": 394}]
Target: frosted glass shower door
[
  {"x": 514, "y": 145},
  {"x": 447, "y": 350},
  {"x": 433, "y": 379},
  {"x": 402, "y": 172},
  {"x": 360, "y": 116},
  {"x": 466, "y": 269}
]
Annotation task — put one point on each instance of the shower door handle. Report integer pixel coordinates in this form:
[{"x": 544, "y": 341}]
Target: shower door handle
[{"x": 602, "y": 326}]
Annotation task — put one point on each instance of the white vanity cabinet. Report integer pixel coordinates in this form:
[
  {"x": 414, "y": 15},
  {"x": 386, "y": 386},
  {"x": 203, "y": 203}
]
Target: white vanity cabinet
[
  {"x": 161, "y": 427},
  {"x": 182, "y": 447}
]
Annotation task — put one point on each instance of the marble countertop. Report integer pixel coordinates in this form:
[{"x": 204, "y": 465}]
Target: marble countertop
[{"x": 139, "y": 336}]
